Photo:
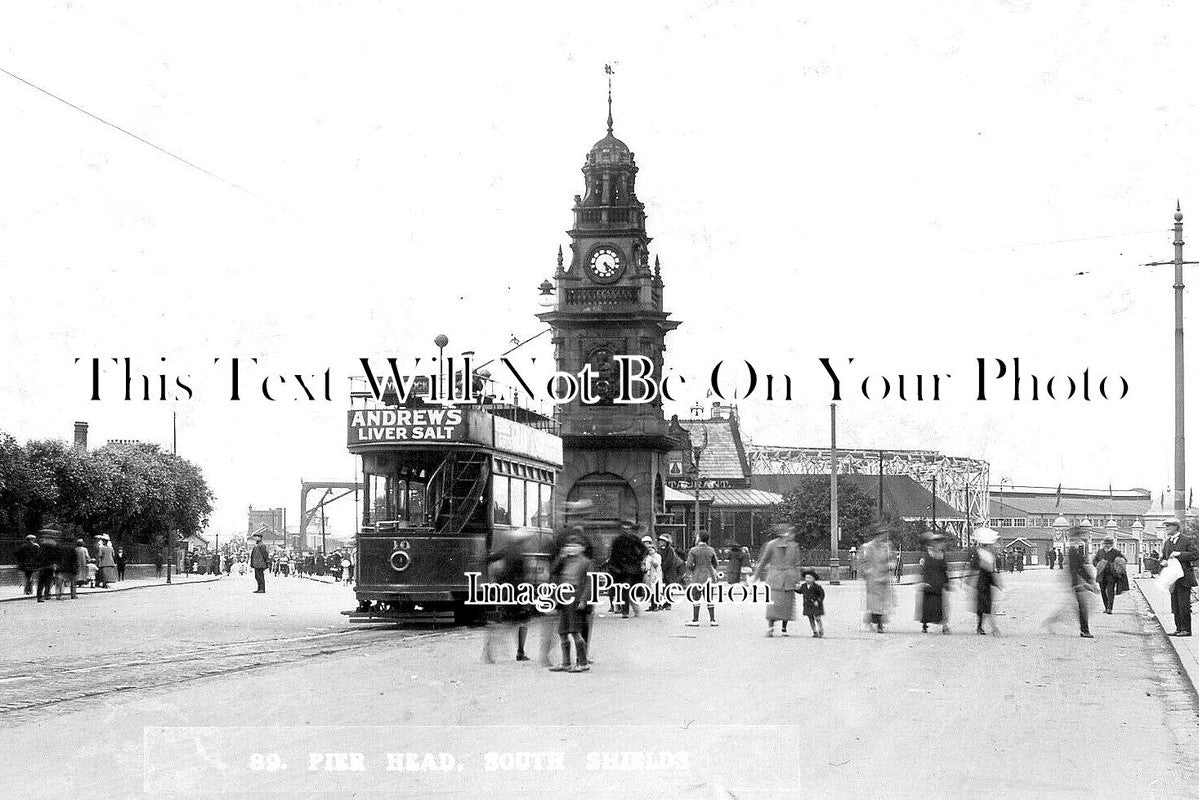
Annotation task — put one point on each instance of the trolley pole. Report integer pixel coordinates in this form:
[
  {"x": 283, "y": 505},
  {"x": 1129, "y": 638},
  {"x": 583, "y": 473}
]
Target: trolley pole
[{"x": 834, "y": 561}]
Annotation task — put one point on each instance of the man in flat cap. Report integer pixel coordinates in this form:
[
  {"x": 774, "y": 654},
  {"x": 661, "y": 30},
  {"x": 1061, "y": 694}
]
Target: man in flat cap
[
  {"x": 260, "y": 562},
  {"x": 1185, "y": 548}
]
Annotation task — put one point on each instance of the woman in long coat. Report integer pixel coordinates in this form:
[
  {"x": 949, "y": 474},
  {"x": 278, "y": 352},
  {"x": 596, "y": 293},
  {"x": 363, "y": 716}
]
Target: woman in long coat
[
  {"x": 876, "y": 560},
  {"x": 106, "y": 562},
  {"x": 779, "y": 567},
  {"x": 985, "y": 564},
  {"x": 934, "y": 582}
]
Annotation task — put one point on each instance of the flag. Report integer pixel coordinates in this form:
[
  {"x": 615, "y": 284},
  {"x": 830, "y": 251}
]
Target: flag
[
  {"x": 1058, "y": 502},
  {"x": 1191, "y": 501}
]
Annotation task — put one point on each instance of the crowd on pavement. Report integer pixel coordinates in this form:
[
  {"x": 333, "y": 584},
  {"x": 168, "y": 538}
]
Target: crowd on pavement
[{"x": 52, "y": 563}]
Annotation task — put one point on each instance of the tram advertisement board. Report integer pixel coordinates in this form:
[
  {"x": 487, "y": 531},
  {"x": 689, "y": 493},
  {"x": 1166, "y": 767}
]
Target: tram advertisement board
[{"x": 370, "y": 426}]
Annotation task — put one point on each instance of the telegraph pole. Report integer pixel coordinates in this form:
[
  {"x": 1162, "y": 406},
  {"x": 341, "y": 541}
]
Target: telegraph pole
[
  {"x": 834, "y": 561},
  {"x": 1180, "y": 499}
]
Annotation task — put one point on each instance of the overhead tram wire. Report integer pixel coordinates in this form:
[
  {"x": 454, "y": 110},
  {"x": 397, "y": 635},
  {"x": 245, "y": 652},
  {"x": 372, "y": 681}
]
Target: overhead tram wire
[
  {"x": 514, "y": 348},
  {"x": 145, "y": 141}
]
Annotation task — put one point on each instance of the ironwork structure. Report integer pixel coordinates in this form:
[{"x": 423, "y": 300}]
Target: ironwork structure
[
  {"x": 307, "y": 515},
  {"x": 962, "y": 482}
]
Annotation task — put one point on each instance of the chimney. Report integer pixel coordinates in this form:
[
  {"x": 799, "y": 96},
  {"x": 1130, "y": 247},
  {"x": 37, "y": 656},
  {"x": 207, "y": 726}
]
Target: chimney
[
  {"x": 81, "y": 435},
  {"x": 720, "y": 411}
]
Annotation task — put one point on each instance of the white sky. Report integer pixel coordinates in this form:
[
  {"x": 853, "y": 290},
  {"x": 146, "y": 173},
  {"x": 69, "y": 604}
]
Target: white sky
[{"x": 913, "y": 185}]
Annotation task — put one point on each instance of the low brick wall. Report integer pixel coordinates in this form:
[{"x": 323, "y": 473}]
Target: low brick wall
[{"x": 11, "y": 576}]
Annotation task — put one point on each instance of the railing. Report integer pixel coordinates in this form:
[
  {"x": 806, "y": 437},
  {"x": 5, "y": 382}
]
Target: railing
[{"x": 602, "y": 295}]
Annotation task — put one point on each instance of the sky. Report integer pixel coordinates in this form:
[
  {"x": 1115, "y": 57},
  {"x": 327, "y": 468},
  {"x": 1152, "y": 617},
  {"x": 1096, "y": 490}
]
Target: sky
[{"x": 913, "y": 186}]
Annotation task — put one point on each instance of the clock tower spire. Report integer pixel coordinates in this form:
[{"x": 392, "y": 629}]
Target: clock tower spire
[{"x": 609, "y": 303}]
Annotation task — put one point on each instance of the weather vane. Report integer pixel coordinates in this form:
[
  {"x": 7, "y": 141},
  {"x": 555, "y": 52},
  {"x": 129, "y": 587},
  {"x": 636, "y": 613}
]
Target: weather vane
[{"x": 608, "y": 72}]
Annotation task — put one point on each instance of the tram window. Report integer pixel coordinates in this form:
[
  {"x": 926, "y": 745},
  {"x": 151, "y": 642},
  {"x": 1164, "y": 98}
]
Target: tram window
[
  {"x": 540, "y": 518},
  {"x": 500, "y": 508},
  {"x": 518, "y": 502}
]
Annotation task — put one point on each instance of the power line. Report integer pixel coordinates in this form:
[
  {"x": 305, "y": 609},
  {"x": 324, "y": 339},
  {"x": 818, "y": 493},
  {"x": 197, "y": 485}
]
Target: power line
[{"x": 144, "y": 141}]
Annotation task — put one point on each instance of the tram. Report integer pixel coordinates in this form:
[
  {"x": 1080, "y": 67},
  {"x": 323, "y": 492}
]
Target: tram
[{"x": 444, "y": 485}]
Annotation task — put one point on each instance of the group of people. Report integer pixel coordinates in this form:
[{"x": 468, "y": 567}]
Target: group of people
[
  {"x": 338, "y": 564},
  {"x": 56, "y": 563},
  {"x": 634, "y": 559}
]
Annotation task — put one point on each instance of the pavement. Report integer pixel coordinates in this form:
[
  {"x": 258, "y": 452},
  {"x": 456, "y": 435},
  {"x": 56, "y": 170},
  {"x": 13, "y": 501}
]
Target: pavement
[
  {"x": 1186, "y": 649},
  {"x": 1027, "y": 714},
  {"x": 18, "y": 592}
]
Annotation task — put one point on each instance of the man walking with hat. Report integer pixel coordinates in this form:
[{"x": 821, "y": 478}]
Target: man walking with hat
[
  {"x": 1185, "y": 548},
  {"x": 260, "y": 562},
  {"x": 47, "y": 563},
  {"x": 27, "y": 558}
]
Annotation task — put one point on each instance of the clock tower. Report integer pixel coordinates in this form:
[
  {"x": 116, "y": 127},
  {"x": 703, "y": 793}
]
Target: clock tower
[{"x": 609, "y": 304}]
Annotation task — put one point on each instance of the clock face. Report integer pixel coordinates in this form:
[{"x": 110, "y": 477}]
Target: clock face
[{"x": 605, "y": 264}]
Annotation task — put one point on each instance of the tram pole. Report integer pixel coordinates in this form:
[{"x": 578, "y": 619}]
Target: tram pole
[
  {"x": 1180, "y": 498},
  {"x": 834, "y": 561}
]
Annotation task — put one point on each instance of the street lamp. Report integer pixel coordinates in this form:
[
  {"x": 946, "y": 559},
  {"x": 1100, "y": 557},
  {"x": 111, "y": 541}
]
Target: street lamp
[
  {"x": 441, "y": 340},
  {"x": 545, "y": 297}
]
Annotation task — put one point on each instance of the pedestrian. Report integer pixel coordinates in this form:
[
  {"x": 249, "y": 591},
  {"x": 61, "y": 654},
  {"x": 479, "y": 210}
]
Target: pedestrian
[
  {"x": 625, "y": 566},
  {"x": 1061, "y": 559},
  {"x": 1184, "y": 547},
  {"x": 1079, "y": 584},
  {"x": 69, "y": 566},
  {"x": 159, "y": 561},
  {"x": 120, "y": 559},
  {"x": 701, "y": 570},
  {"x": 875, "y": 560},
  {"x": 778, "y": 565},
  {"x": 260, "y": 562},
  {"x": 106, "y": 560},
  {"x": 508, "y": 568},
  {"x": 27, "y": 557},
  {"x": 737, "y": 559},
  {"x": 347, "y": 568},
  {"x": 984, "y": 563},
  {"x": 214, "y": 565},
  {"x": 1051, "y": 557},
  {"x": 934, "y": 583},
  {"x": 227, "y": 560},
  {"x": 93, "y": 573},
  {"x": 47, "y": 563},
  {"x": 671, "y": 564},
  {"x": 813, "y": 602},
  {"x": 241, "y": 566},
  {"x": 1111, "y": 572},
  {"x": 651, "y": 569},
  {"x": 571, "y": 569},
  {"x": 1020, "y": 560}
]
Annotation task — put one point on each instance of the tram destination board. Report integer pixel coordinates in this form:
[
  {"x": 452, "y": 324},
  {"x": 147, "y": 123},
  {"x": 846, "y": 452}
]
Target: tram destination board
[{"x": 400, "y": 425}]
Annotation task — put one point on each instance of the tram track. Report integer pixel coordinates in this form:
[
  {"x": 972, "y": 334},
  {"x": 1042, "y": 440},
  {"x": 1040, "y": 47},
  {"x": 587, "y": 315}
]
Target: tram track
[{"x": 34, "y": 686}]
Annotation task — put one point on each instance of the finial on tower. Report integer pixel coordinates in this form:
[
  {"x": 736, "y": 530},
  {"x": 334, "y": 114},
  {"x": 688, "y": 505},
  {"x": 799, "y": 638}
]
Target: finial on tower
[
  {"x": 559, "y": 258},
  {"x": 1178, "y": 211},
  {"x": 608, "y": 70}
]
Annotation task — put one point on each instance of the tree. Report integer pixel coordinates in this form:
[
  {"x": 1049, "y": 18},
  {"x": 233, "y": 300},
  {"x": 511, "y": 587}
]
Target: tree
[
  {"x": 808, "y": 506},
  {"x": 133, "y": 493}
]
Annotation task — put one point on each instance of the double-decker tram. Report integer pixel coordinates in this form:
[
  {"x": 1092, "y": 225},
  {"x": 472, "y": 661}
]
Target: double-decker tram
[{"x": 445, "y": 485}]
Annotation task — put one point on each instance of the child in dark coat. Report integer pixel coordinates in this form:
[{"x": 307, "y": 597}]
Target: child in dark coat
[{"x": 813, "y": 602}]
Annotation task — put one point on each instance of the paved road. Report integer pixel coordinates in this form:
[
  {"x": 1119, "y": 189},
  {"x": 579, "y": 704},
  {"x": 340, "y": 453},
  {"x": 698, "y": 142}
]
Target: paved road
[{"x": 1028, "y": 714}]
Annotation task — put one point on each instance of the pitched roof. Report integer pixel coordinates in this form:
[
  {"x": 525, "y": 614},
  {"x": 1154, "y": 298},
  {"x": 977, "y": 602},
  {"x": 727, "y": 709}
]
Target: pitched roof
[
  {"x": 902, "y": 496},
  {"x": 1006, "y": 504},
  {"x": 722, "y": 454}
]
